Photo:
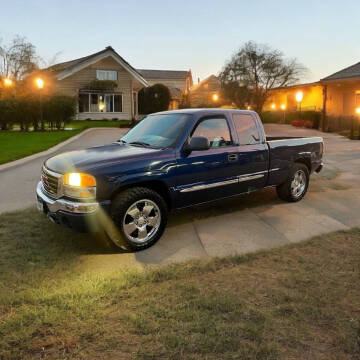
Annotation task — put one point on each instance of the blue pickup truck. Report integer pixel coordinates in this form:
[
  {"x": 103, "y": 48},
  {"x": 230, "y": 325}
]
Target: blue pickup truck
[{"x": 172, "y": 160}]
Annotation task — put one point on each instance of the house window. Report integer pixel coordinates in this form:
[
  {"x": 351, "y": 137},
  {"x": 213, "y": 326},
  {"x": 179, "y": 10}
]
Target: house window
[
  {"x": 109, "y": 103},
  {"x": 106, "y": 75}
]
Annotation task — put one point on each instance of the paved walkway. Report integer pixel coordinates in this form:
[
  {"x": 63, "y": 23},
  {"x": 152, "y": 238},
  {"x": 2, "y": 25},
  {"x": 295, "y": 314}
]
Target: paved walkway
[
  {"x": 239, "y": 225},
  {"x": 17, "y": 184}
]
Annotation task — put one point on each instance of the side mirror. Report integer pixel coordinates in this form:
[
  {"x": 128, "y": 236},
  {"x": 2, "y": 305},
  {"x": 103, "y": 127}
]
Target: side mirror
[{"x": 197, "y": 143}]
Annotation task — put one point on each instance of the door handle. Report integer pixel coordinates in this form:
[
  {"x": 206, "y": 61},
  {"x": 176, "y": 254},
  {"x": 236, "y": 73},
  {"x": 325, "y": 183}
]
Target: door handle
[{"x": 232, "y": 157}]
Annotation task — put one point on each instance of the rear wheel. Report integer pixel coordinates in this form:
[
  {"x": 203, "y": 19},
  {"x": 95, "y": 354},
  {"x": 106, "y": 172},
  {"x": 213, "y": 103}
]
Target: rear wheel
[
  {"x": 295, "y": 187},
  {"x": 140, "y": 216}
]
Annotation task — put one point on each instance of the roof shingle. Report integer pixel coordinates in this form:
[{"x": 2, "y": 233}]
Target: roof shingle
[
  {"x": 163, "y": 74},
  {"x": 349, "y": 72}
]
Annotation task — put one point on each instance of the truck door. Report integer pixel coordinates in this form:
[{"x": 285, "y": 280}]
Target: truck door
[
  {"x": 252, "y": 152},
  {"x": 209, "y": 174}
]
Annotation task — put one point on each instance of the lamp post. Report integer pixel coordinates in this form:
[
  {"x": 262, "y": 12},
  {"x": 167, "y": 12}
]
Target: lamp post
[
  {"x": 299, "y": 97},
  {"x": 283, "y": 108},
  {"x": 39, "y": 82},
  {"x": 357, "y": 111}
]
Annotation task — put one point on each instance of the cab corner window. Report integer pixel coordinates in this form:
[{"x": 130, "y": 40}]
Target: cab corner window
[
  {"x": 246, "y": 129},
  {"x": 216, "y": 130}
]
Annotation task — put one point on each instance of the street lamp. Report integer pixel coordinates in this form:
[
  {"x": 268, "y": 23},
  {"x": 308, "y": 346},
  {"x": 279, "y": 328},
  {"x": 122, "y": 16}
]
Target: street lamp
[
  {"x": 7, "y": 82},
  {"x": 283, "y": 108},
  {"x": 39, "y": 82},
  {"x": 357, "y": 111},
  {"x": 299, "y": 97}
]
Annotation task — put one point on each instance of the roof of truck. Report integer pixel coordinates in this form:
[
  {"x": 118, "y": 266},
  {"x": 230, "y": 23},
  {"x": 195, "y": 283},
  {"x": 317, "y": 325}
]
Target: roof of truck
[{"x": 205, "y": 111}]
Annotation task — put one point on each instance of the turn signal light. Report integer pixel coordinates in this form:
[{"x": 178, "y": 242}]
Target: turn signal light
[{"x": 79, "y": 179}]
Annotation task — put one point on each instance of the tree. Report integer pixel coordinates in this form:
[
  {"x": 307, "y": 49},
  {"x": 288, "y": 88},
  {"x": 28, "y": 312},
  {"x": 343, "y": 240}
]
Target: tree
[
  {"x": 253, "y": 71},
  {"x": 154, "y": 98},
  {"x": 18, "y": 59}
]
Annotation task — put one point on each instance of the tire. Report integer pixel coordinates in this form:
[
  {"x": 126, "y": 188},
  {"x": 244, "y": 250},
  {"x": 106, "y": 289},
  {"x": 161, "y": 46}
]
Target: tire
[
  {"x": 295, "y": 187},
  {"x": 139, "y": 217}
]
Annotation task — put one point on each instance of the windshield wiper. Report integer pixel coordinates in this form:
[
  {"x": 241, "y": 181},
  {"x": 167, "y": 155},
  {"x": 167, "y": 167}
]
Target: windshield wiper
[
  {"x": 121, "y": 140},
  {"x": 139, "y": 143}
]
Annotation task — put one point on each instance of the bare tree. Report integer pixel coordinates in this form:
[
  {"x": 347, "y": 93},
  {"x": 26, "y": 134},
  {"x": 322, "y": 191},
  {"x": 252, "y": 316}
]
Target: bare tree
[
  {"x": 18, "y": 59},
  {"x": 254, "y": 70}
]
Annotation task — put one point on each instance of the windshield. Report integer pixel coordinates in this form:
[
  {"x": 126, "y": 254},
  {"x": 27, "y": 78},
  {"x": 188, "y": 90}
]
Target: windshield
[{"x": 158, "y": 131}]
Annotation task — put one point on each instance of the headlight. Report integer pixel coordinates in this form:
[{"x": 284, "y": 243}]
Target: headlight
[{"x": 79, "y": 185}]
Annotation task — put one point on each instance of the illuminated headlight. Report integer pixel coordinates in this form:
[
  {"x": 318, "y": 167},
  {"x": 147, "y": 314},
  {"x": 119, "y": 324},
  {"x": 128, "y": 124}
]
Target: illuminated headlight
[{"x": 79, "y": 185}]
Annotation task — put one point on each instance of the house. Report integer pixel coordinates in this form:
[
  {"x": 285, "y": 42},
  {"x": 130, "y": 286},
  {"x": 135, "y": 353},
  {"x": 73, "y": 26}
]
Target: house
[
  {"x": 337, "y": 95},
  {"x": 106, "y": 85},
  {"x": 179, "y": 82},
  {"x": 206, "y": 92}
]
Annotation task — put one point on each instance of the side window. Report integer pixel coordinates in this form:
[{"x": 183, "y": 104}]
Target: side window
[
  {"x": 246, "y": 128},
  {"x": 216, "y": 130}
]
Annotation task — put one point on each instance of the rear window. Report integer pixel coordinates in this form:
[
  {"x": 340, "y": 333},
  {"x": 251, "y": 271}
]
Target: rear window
[{"x": 246, "y": 128}]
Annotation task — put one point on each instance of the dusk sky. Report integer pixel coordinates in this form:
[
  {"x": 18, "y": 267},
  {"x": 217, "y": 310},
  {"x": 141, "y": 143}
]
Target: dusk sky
[{"x": 196, "y": 35}]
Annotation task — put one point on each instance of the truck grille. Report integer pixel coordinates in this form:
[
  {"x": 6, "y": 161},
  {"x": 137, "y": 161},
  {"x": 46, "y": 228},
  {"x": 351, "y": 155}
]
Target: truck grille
[{"x": 50, "y": 181}]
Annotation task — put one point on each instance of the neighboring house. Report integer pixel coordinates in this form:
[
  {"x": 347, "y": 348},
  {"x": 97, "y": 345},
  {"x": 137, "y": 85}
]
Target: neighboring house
[
  {"x": 179, "y": 82},
  {"x": 336, "y": 95},
  {"x": 206, "y": 92},
  {"x": 80, "y": 77}
]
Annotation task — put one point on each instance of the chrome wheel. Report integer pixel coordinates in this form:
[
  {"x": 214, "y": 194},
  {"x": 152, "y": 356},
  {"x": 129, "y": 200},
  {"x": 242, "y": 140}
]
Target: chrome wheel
[
  {"x": 141, "y": 221},
  {"x": 298, "y": 184}
]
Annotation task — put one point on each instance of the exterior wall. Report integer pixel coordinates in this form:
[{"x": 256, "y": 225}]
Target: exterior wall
[
  {"x": 312, "y": 98},
  {"x": 80, "y": 80},
  {"x": 343, "y": 97},
  {"x": 202, "y": 93}
]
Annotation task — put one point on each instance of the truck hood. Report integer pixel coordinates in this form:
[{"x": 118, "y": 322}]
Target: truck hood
[{"x": 92, "y": 158}]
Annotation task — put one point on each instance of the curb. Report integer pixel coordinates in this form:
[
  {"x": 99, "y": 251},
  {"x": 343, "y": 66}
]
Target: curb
[{"x": 50, "y": 150}]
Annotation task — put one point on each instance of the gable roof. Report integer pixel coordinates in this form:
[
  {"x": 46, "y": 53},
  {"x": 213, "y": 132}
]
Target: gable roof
[
  {"x": 349, "y": 72},
  {"x": 67, "y": 68},
  {"x": 211, "y": 78},
  {"x": 164, "y": 74}
]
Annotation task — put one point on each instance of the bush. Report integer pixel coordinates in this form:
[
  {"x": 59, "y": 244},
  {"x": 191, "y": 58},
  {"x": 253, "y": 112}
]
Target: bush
[
  {"x": 153, "y": 99},
  {"x": 309, "y": 124},
  {"x": 278, "y": 117},
  {"x": 297, "y": 123},
  {"x": 25, "y": 111}
]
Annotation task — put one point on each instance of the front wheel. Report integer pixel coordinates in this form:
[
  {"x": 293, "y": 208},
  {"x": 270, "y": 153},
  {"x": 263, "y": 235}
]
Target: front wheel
[
  {"x": 139, "y": 216},
  {"x": 295, "y": 187}
]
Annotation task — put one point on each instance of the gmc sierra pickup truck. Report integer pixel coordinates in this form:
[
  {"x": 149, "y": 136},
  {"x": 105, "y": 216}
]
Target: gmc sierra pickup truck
[{"x": 172, "y": 160}]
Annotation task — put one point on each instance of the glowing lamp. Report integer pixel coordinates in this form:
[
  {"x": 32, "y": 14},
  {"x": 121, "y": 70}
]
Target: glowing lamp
[
  {"x": 7, "y": 82},
  {"x": 249, "y": 107},
  {"x": 273, "y": 106},
  {"x": 215, "y": 97},
  {"x": 283, "y": 107},
  {"x": 39, "y": 83},
  {"x": 357, "y": 110},
  {"x": 299, "y": 96}
]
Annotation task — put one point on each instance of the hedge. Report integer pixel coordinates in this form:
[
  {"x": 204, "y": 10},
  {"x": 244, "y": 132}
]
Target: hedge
[
  {"x": 27, "y": 112},
  {"x": 280, "y": 117}
]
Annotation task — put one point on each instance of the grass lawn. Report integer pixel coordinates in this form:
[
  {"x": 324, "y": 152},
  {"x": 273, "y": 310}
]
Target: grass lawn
[
  {"x": 16, "y": 145},
  {"x": 297, "y": 302}
]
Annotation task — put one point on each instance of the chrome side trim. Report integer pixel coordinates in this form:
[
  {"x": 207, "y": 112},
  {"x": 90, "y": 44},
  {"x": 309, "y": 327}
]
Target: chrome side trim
[
  {"x": 65, "y": 205},
  {"x": 209, "y": 186},
  {"x": 240, "y": 178},
  {"x": 250, "y": 177}
]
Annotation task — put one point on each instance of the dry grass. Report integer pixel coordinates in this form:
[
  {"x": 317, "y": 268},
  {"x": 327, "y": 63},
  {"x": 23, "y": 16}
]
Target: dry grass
[{"x": 297, "y": 302}]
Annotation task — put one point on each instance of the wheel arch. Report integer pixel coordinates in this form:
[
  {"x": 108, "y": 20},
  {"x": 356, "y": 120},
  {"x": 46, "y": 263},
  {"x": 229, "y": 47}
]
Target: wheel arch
[
  {"x": 305, "y": 161},
  {"x": 156, "y": 185}
]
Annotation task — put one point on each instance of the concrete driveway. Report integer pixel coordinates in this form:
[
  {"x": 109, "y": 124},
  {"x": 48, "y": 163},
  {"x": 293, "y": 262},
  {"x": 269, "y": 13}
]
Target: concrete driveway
[{"x": 236, "y": 226}]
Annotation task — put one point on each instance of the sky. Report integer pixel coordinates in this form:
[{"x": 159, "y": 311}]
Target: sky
[{"x": 199, "y": 35}]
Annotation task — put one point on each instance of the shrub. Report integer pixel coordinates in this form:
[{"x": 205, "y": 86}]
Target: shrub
[
  {"x": 297, "y": 123},
  {"x": 59, "y": 110},
  {"x": 153, "y": 99},
  {"x": 278, "y": 117},
  {"x": 309, "y": 124}
]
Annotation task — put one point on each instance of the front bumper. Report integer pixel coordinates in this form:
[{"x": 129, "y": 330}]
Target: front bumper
[{"x": 79, "y": 216}]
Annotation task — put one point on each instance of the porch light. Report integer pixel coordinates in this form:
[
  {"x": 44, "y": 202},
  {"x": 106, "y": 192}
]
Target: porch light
[
  {"x": 39, "y": 83},
  {"x": 7, "y": 82},
  {"x": 299, "y": 96},
  {"x": 283, "y": 107},
  {"x": 357, "y": 110},
  {"x": 273, "y": 106},
  {"x": 215, "y": 97}
]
